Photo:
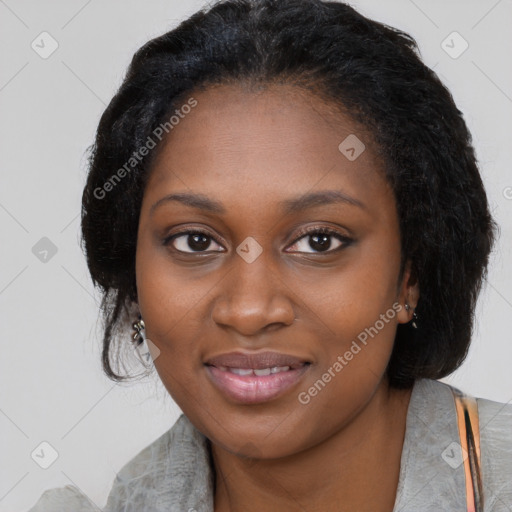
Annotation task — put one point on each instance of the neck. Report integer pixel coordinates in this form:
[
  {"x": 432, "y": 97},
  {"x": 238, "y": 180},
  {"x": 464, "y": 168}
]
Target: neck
[{"x": 357, "y": 468}]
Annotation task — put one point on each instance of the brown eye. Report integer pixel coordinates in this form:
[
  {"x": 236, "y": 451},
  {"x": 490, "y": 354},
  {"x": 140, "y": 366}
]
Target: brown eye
[
  {"x": 320, "y": 240},
  {"x": 191, "y": 241}
]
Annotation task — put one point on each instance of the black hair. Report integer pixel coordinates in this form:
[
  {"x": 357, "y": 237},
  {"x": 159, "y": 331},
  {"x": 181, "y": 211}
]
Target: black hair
[{"x": 372, "y": 71}]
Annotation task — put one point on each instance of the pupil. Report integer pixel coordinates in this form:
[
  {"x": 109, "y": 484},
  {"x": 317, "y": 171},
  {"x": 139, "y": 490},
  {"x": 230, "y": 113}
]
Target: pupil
[
  {"x": 317, "y": 245},
  {"x": 198, "y": 242}
]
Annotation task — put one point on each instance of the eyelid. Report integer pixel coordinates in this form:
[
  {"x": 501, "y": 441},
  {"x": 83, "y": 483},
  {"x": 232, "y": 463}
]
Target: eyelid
[
  {"x": 189, "y": 231},
  {"x": 344, "y": 239}
]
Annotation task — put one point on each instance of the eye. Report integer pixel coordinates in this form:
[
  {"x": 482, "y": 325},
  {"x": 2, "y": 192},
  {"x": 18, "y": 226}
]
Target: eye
[
  {"x": 320, "y": 240},
  {"x": 191, "y": 241}
]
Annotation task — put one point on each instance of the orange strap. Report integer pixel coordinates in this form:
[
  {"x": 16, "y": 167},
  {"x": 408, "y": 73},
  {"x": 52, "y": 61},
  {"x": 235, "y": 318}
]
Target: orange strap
[{"x": 469, "y": 433}]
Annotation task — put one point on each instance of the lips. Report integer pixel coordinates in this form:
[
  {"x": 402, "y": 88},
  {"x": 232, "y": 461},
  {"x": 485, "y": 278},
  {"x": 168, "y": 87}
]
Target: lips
[
  {"x": 256, "y": 361},
  {"x": 255, "y": 378}
]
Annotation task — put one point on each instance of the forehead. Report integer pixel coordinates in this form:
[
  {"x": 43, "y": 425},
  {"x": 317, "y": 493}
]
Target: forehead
[{"x": 278, "y": 141}]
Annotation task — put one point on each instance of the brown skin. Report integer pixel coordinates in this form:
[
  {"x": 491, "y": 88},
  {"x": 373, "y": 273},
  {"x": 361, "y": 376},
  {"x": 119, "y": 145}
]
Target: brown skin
[{"x": 250, "y": 151}]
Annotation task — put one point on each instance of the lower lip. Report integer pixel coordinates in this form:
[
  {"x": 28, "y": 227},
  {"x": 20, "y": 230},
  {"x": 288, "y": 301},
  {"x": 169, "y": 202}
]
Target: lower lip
[{"x": 254, "y": 389}]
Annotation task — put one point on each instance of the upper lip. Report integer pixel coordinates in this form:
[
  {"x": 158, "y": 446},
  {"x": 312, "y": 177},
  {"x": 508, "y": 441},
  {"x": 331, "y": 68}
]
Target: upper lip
[{"x": 256, "y": 361}]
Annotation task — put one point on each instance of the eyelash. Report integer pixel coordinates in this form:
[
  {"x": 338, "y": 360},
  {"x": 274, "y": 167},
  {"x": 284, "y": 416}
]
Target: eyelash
[{"x": 311, "y": 230}]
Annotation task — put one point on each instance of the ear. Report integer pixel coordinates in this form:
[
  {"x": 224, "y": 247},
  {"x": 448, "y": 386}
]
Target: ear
[{"x": 409, "y": 293}]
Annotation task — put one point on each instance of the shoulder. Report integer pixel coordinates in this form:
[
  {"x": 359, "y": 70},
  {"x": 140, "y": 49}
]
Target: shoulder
[
  {"x": 495, "y": 428},
  {"x": 494, "y": 417},
  {"x": 431, "y": 472},
  {"x": 142, "y": 479},
  {"x": 173, "y": 470},
  {"x": 495, "y": 423},
  {"x": 63, "y": 498}
]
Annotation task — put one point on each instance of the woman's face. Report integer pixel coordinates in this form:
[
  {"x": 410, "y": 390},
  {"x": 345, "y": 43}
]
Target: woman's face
[{"x": 250, "y": 172}]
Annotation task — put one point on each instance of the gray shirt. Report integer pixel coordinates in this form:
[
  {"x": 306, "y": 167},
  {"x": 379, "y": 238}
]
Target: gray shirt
[{"x": 175, "y": 474}]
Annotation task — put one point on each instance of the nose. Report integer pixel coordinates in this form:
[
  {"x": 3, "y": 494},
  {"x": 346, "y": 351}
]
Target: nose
[{"x": 253, "y": 298}]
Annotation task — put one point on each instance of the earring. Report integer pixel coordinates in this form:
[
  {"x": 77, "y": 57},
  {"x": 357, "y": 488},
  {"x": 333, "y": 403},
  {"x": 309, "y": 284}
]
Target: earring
[
  {"x": 142, "y": 344},
  {"x": 414, "y": 318},
  {"x": 138, "y": 327},
  {"x": 414, "y": 315}
]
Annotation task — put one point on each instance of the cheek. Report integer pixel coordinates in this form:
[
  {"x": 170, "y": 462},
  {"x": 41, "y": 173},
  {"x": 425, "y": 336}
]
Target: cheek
[
  {"x": 352, "y": 298},
  {"x": 351, "y": 367},
  {"x": 169, "y": 296},
  {"x": 173, "y": 307},
  {"x": 359, "y": 346},
  {"x": 358, "y": 304}
]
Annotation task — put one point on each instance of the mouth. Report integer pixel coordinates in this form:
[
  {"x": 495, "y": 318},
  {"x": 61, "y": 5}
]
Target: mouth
[
  {"x": 255, "y": 378},
  {"x": 256, "y": 360},
  {"x": 260, "y": 372}
]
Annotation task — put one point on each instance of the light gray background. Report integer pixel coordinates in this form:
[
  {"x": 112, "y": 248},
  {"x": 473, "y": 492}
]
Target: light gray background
[{"x": 51, "y": 385}]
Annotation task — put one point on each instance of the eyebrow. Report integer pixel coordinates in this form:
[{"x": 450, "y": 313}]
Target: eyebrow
[
  {"x": 289, "y": 206},
  {"x": 322, "y": 197}
]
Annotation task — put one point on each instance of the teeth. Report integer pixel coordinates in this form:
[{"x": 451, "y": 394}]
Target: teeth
[
  {"x": 262, "y": 372},
  {"x": 259, "y": 372},
  {"x": 241, "y": 371},
  {"x": 277, "y": 369}
]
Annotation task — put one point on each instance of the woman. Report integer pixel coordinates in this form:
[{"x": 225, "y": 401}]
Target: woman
[{"x": 284, "y": 202}]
